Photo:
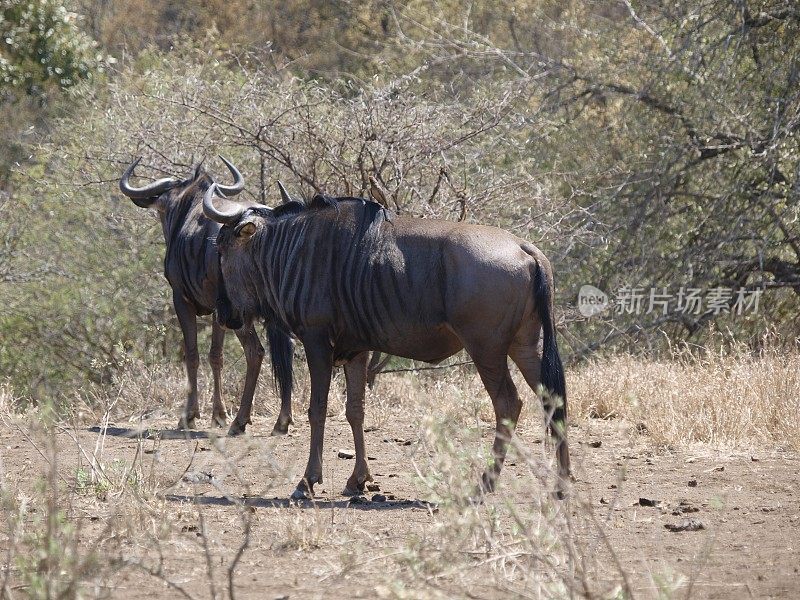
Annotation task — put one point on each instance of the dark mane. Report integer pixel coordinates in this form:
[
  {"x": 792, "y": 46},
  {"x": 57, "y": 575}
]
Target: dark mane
[
  {"x": 324, "y": 201},
  {"x": 319, "y": 202},
  {"x": 199, "y": 181},
  {"x": 289, "y": 208}
]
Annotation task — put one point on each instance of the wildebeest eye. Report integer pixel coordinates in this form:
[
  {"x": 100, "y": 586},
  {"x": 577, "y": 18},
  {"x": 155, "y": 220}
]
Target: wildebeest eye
[{"x": 247, "y": 229}]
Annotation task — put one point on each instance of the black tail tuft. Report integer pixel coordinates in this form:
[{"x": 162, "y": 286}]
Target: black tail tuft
[
  {"x": 552, "y": 372},
  {"x": 281, "y": 353}
]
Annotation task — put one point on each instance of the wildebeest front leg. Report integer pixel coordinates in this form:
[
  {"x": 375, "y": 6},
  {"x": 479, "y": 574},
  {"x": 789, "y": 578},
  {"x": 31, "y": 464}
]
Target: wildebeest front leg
[
  {"x": 320, "y": 363},
  {"x": 254, "y": 355},
  {"x": 187, "y": 317},
  {"x": 215, "y": 359},
  {"x": 355, "y": 373}
]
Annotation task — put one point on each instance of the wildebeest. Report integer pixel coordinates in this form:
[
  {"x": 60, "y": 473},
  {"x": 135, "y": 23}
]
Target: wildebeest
[
  {"x": 346, "y": 276},
  {"x": 191, "y": 266}
]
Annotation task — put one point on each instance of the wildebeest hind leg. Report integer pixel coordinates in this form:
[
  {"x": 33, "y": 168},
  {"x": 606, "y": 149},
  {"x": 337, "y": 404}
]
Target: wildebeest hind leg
[
  {"x": 187, "y": 317},
  {"x": 254, "y": 355},
  {"x": 496, "y": 378},
  {"x": 320, "y": 363},
  {"x": 215, "y": 359},
  {"x": 528, "y": 360},
  {"x": 355, "y": 373}
]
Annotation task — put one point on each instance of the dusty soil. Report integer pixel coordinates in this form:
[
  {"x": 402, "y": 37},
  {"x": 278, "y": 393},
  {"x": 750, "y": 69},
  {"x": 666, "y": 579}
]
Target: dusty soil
[{"x": 748, "y": 505}]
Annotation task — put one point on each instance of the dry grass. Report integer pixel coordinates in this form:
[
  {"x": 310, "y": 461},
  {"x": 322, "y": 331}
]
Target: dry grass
[
  {"x": 737, "y": 400},
  {"x": 502, "y": 548},
  {"x": 726, "y": 400}
]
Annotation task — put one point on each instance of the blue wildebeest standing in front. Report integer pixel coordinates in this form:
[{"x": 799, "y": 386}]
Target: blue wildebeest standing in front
[
  {"x": 346, "y": 276},
  {"x": 191, "y": 266}
]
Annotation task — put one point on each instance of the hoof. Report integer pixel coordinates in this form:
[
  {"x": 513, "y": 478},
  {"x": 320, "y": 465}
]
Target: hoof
[
  {"x": 302, "y": 494},
  {"x": 219, "y": 420},
  {"x": 236, "y": 429},
  {"x": 305, "y": 489},
  {"x": 356, "y": 483},
  {"x": 561, "y": 492},
  {"x": 563, "y": 485},
  {"x": 282, "y": 425},
  {"x": 477, "y": 497},
  {"x": 486, "y": 486},
  {"x": 186, "y": 423},
  {"x": 280, "y": 430}
]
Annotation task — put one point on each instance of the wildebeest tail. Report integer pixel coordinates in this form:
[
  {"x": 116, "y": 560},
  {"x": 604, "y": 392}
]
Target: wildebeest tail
[
  {"x": 281, "y": 353},
  {"x": 552, "y": 371}
]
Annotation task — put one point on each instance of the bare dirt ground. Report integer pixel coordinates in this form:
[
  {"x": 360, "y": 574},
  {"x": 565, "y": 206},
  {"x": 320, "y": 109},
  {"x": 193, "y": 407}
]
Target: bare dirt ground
[{"x": 171, "y": 514}]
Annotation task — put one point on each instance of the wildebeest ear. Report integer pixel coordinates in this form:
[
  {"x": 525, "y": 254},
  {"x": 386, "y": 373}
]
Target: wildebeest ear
[{"x": 246, "y": 230}]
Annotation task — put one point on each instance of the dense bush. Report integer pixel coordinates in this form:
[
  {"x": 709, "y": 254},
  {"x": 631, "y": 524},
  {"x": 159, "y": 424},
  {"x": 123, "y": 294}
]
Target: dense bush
[{"x": 651, "y": 147}]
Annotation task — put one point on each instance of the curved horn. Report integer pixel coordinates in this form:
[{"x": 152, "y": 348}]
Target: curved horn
[
  {"x": 238, "y": 180},
  {"x": 285, "y": 197},
  {"x": 225, "y": 217},
  {"x": 149, "y": 191}
]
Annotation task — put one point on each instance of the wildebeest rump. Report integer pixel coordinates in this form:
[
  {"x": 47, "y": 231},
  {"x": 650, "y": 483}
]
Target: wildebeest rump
[
  {"x": 191, "y": 266},
  {"x": 346, "y": 276}
]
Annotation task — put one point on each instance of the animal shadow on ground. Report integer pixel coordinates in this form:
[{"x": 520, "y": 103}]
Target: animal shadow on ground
[
  {"x": 359, "y": 502},
  {"x": 149, "y": 434},
  {"x": 362, "y": 504}
]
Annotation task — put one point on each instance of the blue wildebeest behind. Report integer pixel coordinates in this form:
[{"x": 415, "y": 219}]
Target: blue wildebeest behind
[
  {"x": 346, "y": 276},
  {"x": 191, "y": 266}
]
